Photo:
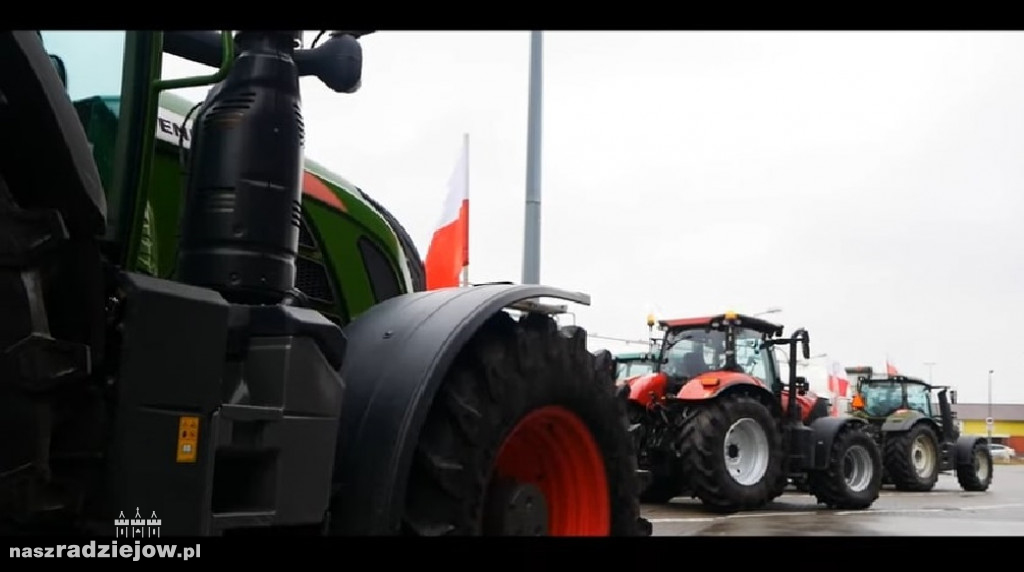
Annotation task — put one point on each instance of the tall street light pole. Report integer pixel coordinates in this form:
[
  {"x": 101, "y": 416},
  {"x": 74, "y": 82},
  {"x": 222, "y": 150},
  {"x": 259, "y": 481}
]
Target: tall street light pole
[
  {"x": 990, "y": 421},
  {"x": 930, "y": 365},
  {"x": 531, "y": 232}
]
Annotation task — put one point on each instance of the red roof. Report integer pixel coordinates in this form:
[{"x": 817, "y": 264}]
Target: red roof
[
  {"x": 683, "y": 322},
  {"x": 747, "y": 321}
]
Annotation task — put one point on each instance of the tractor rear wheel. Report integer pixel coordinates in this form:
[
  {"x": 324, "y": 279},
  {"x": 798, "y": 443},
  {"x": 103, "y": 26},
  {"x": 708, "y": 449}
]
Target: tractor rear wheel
[
  {"x": 912, "y": 458},
  {"x": 733, "y": 453},
  {"x": 976, "y": 476},
  {"x": 853, "y": 478},
  {"x": 525, "y": 437}
]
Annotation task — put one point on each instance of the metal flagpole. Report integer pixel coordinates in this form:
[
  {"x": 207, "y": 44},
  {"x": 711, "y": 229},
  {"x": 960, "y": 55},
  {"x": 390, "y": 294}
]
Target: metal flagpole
[
  {"x": 531, "y": 235},
  {"x": 465, "y": 144}
]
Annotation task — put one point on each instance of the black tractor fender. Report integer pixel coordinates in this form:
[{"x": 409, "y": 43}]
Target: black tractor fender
[
  {"x": 823, "y": 434},
  {"x": 398, "y": 354},
  {"x": 965, "y": 448}
]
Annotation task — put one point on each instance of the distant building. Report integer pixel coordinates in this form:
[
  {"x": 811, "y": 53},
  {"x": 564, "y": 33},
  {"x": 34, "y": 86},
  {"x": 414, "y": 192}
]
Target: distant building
[{"x": 1007, "y": 427}]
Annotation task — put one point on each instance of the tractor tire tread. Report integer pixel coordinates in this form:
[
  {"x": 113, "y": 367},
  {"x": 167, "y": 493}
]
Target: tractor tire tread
[
  {"x": 899, "y": 464},
  {"x": 829, "y": 485},
  {"x": 509, "y": 368},
  {"x": 701, "y": 442},
  {"x": 967, "y": 474}
]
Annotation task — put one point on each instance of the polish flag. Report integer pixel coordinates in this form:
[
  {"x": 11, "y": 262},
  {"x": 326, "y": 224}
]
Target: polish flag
[
  {"x": 448, "y": 254},
  {"x": 838, "y": 385},
  {"x": 890, "y": 369}
]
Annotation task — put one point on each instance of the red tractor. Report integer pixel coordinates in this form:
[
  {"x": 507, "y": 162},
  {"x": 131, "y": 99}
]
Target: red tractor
[{"x": 715, "y": 421}]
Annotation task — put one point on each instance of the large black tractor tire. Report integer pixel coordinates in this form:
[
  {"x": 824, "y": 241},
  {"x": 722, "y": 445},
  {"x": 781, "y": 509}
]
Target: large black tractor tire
[
  {"x": 853, "y": 478},
  {"x": 976, "y": 476},
  {"x": 912, "y": 458},
  {"x": 416, "y": 269},
  {"x": 525, "y": 418},
  {"x": 732, "y": 451}
]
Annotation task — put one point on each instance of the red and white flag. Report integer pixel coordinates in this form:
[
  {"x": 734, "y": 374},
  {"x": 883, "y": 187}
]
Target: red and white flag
[
  {"x": 889, "y": 368},
  {"x": 448, "y": 254},
  {"x": 838, "y": 385}
]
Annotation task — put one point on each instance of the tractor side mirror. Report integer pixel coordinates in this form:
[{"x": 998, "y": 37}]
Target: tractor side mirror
[
  {"x": 806, "y": 346},
  {"x": 952, "y": 397},
  {"x": 338, "y": 62},
  {"x": 801, "y": 385}
]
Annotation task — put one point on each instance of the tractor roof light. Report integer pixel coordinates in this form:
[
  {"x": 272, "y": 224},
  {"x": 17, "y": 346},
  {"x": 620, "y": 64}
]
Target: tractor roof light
[
  {"x": 650, "y": 320},
  {"x": 731, "y": 315}
]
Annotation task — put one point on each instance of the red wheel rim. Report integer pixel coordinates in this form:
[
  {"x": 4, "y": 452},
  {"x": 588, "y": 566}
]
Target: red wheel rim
[{"x": 552, "y": 449}]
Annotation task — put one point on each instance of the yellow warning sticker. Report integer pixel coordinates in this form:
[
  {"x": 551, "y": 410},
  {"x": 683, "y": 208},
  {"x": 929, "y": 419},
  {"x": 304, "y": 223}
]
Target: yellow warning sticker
[{"x": 188, "y": 439}]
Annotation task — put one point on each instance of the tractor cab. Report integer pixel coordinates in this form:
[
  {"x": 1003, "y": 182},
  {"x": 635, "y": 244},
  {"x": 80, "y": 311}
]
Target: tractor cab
[
  {"x": 727, "y": 342},
  {"x": 882, "y": 397},
  {"x": 634, "y": 364}
]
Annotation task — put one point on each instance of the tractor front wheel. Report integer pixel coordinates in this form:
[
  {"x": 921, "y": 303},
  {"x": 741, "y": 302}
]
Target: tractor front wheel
[
  {"x": 976, "y": 476},
  {"x": 912, "y": 458},
  {"x": 525, "y": 437},
  {"x": 853, "y": 478},
  {"x": 733, "y": 453}
]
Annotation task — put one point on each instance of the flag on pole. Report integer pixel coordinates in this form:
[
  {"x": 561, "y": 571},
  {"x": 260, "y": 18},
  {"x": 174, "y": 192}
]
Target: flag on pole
[
  {"x": 448, "y": 254},
  {"x": 889, "y": 368},
  {"x": 838, "y": 386}
]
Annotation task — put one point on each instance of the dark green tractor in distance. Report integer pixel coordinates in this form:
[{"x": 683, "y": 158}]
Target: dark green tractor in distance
[
  {"x": 203, "y": 324},
  {"x": 632, "y": 364},
  {"x": 917, "y": 442}
]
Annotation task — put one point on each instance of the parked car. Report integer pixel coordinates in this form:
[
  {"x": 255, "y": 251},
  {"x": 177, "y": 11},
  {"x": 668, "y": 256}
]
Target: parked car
[{"x": 1001, "y": 452}]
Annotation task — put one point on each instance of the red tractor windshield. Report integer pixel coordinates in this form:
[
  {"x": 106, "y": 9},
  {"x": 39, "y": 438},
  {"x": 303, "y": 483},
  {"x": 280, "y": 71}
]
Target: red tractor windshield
[{"x": 690, "y": 352}]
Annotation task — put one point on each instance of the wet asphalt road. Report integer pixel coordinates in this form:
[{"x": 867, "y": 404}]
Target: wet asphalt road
[{"x": 946, "y": 511}]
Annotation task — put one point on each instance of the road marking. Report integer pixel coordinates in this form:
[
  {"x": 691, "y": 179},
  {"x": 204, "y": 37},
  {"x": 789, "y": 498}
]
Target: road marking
[
  {"x": 945, "y": 509},
  {"x": 868, "y": 512},
  {"x": 764, "y": 514},
  {"x": 680, "y": 520},
  {"x": 732, "y": 516}
]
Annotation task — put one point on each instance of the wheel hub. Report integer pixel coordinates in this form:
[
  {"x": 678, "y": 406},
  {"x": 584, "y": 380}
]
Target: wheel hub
[
  {"x": 516, "y": 509},
  {"x": 923, "y": 456},
  {"x": 981, "y": 466},
  {"x": 746, "y": 451},
  {"x": 857, "y": 468}
]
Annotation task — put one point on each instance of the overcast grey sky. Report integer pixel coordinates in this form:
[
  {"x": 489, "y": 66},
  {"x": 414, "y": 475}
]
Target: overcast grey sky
[{"x": 869, "y": 184}]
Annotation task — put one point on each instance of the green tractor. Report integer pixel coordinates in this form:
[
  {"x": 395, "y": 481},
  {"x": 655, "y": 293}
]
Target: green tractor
[
  {"x": 917, "y": 442},
  {"x": 632, "y": 364},
  {"x": 202, "y": 324}
]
